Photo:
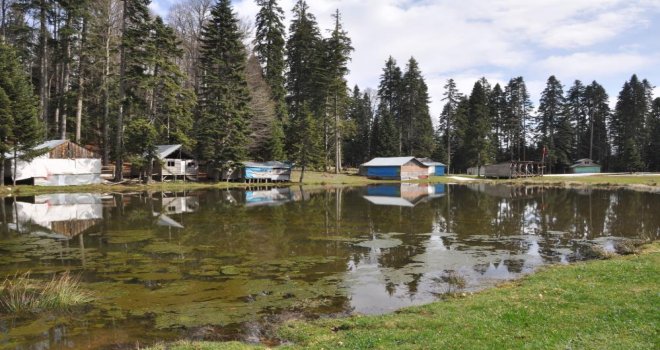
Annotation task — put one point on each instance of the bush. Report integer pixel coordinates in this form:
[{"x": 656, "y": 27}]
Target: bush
[{"x": 22, "y": 294}]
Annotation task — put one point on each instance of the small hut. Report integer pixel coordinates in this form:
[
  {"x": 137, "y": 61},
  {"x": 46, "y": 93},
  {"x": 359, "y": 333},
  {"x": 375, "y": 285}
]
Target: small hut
[
  {"x": 585, "y": 166},
  {"x": 435, "y": 168},
  {"x": 395, "y": 168},
  {"x": 271, "y": 171},
  {"x": 175, "y": 162},
  {"x": 514, "y": 169},
  {"x": 59, "y": 163}
]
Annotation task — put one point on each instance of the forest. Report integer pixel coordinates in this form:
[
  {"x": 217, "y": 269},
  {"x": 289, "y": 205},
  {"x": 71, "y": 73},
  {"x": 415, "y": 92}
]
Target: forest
[{"x": 110, "y": 75}]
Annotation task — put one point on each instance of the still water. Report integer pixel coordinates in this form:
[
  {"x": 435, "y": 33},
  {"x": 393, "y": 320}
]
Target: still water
[{"x": 232, "y": 264}]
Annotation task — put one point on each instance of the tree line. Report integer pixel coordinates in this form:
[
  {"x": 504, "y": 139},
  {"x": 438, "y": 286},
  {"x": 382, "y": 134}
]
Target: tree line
[{"x": 109, "y": 74}]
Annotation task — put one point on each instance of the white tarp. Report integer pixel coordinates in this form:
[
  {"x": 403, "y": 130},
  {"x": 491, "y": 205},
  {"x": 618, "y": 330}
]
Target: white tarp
[
  {"x": 45, "y": 168},
  {"x": 47, "y": 209}
]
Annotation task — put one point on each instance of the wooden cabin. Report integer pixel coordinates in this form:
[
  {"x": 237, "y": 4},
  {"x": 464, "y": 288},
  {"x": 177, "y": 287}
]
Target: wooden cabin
[
  {"x": 514, "y": 169},
  {"x": 435, "y": 168},
  {"x": 585, "y": 166},
  {"x": 175, "y": 163},
  {"x": 59, "y": 163},
  {"x": 395, "y": 168}
]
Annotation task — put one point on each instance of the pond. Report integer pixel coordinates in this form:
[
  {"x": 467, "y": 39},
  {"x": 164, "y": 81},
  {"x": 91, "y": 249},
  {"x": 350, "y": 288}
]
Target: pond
[{"x": 233, "y": 264}]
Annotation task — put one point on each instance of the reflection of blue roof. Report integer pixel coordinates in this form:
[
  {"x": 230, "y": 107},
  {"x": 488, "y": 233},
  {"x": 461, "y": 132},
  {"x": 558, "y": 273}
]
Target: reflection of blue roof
[{"x": 384, "y": 190}]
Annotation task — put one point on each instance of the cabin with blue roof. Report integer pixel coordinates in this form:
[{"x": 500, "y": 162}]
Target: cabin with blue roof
[
  {"x": 435, "y": 168},
  {"x": 395, "y": 168}
]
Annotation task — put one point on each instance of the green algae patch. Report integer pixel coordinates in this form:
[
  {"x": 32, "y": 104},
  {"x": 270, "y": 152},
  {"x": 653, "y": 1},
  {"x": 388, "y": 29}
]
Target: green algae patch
[
  {"x": 129, "y": 236},
  {"x": 230, "y": 270},
  {"x": 334, "y": 239},
  {"x": 161, "y": 247}
]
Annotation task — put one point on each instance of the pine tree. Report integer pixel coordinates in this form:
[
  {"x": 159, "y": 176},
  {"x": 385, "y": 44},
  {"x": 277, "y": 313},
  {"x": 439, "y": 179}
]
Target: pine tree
[
  {"x": 598, "y": 113},
  {"x": 132, "y": 59},
  {"x": 416, "y": 125},
  {"x": 517, "y": 119},
  {"x": 478, "y": 142},
  {"x": 222, "y": 127},
  {"x": 577, "y": 113},
  {"x": 551, "y": 113},
  {"x": 141, "y": 141},
  {"x": 269, "y": 45},
  {"x": 338, "y": 49},
  {"x": 389, "y": 111},
  {"x": 452, "y": 97},
  {"x": 653, "y": 148},
  {"x": 357, "y": 143},
  {"x": 307, "y": 147},
  {"x": 20, "y": 130},
  {"x": 497, "y": 106},
  {"x": 628, "y": 125}
]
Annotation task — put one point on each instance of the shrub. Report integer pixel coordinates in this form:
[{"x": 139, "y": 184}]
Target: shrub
[{"x": 23, "y": 294}]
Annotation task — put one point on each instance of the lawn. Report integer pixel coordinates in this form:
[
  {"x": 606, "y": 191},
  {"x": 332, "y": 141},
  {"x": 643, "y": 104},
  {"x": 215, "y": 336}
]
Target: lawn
[{"x": 604, "y": 304}]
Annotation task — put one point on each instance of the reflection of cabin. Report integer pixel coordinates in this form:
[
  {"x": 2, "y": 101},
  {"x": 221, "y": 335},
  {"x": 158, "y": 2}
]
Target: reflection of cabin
[
  {"x": 59, "y": 215},
  {"x": 60, "y": 163},
  {"x": 435, "y": 168},
  {"x": 403, "y": 195},
  {"x": 173, "y": 162},
  {"x": 272, "y": 196},
  {"x": 395, "y": 168},
  {"x": 271, "y": 171},
  {"x": 585, "y": 166},
  {"x": 179, "y": 205},
  {"x": 514, "y": 169}
]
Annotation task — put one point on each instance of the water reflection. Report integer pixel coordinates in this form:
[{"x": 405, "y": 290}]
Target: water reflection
[{"x": 227, "y": 263}]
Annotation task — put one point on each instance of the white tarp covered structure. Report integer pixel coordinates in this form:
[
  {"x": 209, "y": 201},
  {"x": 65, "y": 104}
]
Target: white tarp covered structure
[
  {"x": 48, "y": 171},
  {"x": 60, "y": 214}
]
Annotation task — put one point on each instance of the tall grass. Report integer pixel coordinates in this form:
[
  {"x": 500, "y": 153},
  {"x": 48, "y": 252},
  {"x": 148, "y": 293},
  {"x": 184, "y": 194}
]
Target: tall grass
[{"x": 22, "y": 294}]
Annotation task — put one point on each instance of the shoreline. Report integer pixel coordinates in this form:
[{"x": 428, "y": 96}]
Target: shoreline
[
  {"x": 554, "y": 307},
  {"x": 645, "y": 183}
]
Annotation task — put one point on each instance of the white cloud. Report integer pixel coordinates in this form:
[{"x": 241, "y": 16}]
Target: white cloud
[{"x": 498, "y": 39}]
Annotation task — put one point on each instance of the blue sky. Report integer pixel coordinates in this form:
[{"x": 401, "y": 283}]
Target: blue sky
[{"x": 602, "y": 40}]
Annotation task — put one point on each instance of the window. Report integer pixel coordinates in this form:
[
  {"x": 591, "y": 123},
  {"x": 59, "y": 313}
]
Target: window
[{"x": 170, "y": 163}]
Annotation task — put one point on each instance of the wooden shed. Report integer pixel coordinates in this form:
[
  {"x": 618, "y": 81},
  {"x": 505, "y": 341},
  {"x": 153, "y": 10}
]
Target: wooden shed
[
  {"x": 60, "y": 163},
  {"x": 514, "y": 169},
  {"x": 175, "y": 162},
  {"x": 435, "y": 168},
  {"x": 585, "y": 166},
  {"x": 395, "y": 168}
]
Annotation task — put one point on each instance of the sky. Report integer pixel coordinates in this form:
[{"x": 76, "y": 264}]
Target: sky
[{"x": 602, "y": 40}]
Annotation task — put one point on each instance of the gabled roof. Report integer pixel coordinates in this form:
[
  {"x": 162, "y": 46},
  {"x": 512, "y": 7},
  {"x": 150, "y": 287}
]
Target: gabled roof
[
  {"x": 162, "y": 151},
  {"x": 46, "y": 146},
  {"x": 269, "y": 164},
  {"x": 391, "y": 161},
  {"x": 429, "y": 162}
]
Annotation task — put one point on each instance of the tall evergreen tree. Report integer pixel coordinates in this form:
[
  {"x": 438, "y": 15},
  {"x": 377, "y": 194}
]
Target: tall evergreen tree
[
  {"x": 360, "y": 118},
  {"x": 20, "y": 130},
  {"x": 269, "y": 42},
  {"x": 338, "y": 49},
  {"x": 478, "y": 141},
  {"x": 517, "y": 120},
  {"x": 629, "y": 133},
  {"x": 222, "y": 127},
  {"x": 577, "y": 113},
  {"x": 497, "y": 106},
  {"x": 653, "y": 148},
  {"x": 132, "y": 59},
  {"x": 452, "y": 97},
  {"x": 416, "y": 125},
  {"x": 551, "y": 113},
  {"x": 307, "y": 147},
  {"x": 389, "y": 110},
  {"x": 598, "y": 113}
]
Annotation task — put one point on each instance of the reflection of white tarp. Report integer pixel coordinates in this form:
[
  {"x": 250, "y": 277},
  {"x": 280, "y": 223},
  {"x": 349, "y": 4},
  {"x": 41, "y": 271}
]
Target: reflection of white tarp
[
  {"x": 48, "y": 209},
  {"x": 48, "y": 171},
  {"x": 395, "y": 201},
  {"x": 274, "y": 196}
]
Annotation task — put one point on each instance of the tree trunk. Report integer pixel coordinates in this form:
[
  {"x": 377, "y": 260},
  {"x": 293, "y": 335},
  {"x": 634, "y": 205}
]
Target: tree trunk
[
  {"x": 106, "y": 97},
  {"x": 15, "y": 163},
  {"x": 79, "y": 104},
  {"x": 66, "y": 79},
  {"x": 2, "y": 169},
  {"x": 119, "y": 145},
  {"x": 302, "y": 174},
  {"x": 150, "y": 170},
  {"x": 43, "y": 66},
  {"x": 337, "y": 139}
]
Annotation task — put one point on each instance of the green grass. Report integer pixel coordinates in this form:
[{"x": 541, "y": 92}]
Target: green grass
[
  {"x": 22, "y": 294},
  {"x": 604, "y": 304},
  {"x": 595, "y": 180}
]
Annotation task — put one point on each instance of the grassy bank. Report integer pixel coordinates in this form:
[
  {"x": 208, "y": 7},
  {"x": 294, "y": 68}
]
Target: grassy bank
[
  {"x": 22, "y": 294},
  {"x": 605, "y": 304},
  {"x": 314, "y": 178}
]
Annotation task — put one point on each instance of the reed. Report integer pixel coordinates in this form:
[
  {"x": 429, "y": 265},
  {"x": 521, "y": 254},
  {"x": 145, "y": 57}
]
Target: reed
[{"x": 23, "y": 294}]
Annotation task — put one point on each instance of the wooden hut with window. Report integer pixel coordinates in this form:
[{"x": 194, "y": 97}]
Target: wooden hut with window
[
  {"x": 174, "y": 162},
  {"x": 585, "y": 166}
]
